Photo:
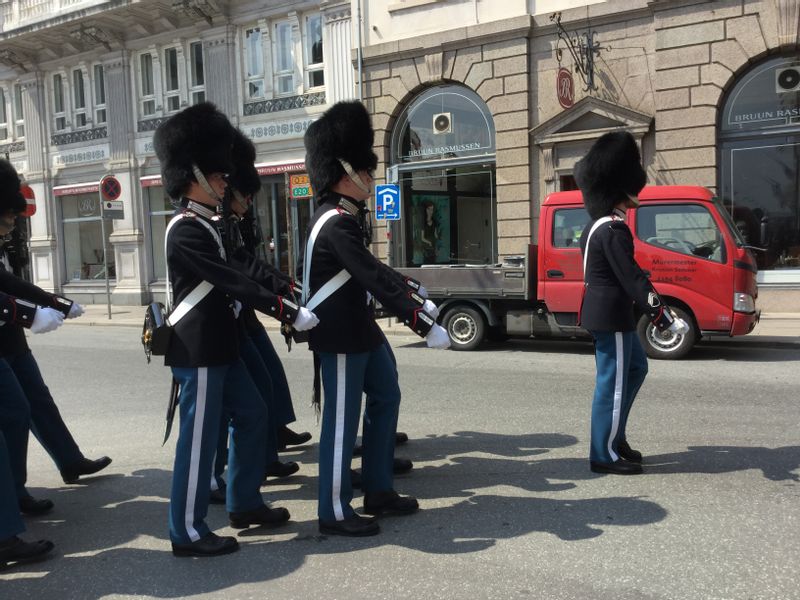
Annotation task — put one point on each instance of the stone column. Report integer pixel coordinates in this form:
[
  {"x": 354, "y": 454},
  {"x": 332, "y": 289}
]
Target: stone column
[
  {"x": 222, "y": 80},
  {"x": 337, "y": 46},
  {"x": 127, "y": 237},
  {"x": 45, "y": 268}
]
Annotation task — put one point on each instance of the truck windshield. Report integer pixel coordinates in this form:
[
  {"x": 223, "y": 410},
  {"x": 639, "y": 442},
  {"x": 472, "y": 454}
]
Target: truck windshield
[{"x": 726, "y": 216}]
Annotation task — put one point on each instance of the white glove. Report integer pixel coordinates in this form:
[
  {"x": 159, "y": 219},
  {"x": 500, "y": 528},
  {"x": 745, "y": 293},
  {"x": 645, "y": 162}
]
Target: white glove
[
  {"x": 46, "y": 319},
  {"x": 305, "y": 320},
  {"x": 76, "y": 310},
  {"x": 430, "y": 308},
  {"x": 237, "y": 308},
  {"x": 422, "y": 291},
  {"x": 437, "y": 337},
  {"x": 679, "y": 326}
]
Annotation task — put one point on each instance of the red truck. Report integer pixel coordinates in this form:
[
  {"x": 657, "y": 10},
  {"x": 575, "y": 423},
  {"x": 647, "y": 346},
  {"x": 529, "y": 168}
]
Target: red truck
[{"x": 684, "y": 239}]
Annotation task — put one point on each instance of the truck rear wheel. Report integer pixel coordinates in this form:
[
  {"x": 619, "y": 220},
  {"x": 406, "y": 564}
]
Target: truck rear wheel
[
  {"x": 666, "y": 345},
  {"x": 466, "y": 327}
]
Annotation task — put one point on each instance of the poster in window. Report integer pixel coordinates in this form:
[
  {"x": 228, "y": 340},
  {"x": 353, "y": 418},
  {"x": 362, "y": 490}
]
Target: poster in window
[{"x": 430, "y": 229}]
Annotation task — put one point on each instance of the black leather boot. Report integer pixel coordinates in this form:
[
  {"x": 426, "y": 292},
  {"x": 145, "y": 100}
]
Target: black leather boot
[
  {"x": 618, "y": 467},
  {"x": 389, "y": 503},
  {"x": 262, "y": 516},
  {"x": 210, "y": 545},
  {"x": 15, "y": 550},
  {"x": 85, "y": 466},
  {"x": 625, "y": 451},
  {"x": 355, "y": 526}
]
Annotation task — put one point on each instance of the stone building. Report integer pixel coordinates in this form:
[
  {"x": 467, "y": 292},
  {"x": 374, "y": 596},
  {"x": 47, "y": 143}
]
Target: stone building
[
  {"x": 84, "y": 84},
  {"x": 710, "y": 89}
]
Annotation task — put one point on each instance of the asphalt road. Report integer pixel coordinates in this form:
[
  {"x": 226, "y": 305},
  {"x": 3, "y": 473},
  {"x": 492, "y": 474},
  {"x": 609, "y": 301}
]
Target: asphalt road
[{"x": 510, "y": 509}]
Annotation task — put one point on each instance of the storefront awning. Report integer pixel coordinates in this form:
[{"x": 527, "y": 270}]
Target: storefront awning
[
  {"x": 267, "y": 168},
  {"x": 76, "y": 188}
]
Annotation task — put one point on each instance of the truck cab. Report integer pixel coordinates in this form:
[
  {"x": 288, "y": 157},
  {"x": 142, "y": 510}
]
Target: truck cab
[{"x": 684, "y": 240}]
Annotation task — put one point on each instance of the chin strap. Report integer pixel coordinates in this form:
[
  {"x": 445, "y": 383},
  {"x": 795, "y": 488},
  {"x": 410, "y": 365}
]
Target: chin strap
[
  {"x": 354, "y": 177},
  {"x": 201, "y": 179}
]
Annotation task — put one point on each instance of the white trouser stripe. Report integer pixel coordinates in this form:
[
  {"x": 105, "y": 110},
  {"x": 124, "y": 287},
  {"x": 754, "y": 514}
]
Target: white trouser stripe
[
  {"x": 338, "y": 437},
  {"x": 617, "y": 410},
  {"x": 194, "y": 457}
]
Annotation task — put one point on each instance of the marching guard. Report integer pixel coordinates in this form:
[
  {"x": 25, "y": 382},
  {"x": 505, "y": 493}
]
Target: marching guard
[
  {"x": 610, "y": 177},
  {"x": 194, "y": 148},
  {"x": 339, "y": 275}
]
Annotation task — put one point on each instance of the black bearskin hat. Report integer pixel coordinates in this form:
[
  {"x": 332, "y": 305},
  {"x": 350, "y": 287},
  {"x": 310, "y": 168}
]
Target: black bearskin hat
[
  {"x": 10, "y": 196},
  {"x": 199, "y": 135},
  {"x": 244, "y": 177},
  {"x": 610, "y": 171},
  {"x": 343, "y": 132}
]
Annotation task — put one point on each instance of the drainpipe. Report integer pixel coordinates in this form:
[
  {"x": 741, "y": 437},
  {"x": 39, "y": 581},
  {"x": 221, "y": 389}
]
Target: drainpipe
[{"x": 360, "y": 66}]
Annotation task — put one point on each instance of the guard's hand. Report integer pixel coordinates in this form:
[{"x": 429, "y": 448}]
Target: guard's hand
[
  {"x": 46, "y": 319},
  {"x": 679, "y": 326},
  {"x": 422, "y": 291},
  {"x": 305, "y": 320},
  {"x": 237, "y": 308},
  {"x": 76, "y": 310},
  {"x": 437, "y": 337},
  {"x": 430, "y": 308}
]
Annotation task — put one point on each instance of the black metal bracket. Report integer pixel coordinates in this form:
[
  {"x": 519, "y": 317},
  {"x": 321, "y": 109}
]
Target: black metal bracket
[{"x": 582, "y": 46}]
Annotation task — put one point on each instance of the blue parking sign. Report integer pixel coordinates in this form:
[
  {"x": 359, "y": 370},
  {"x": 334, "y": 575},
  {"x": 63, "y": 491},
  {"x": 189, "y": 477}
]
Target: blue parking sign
[{"x": 387, "y": 202}]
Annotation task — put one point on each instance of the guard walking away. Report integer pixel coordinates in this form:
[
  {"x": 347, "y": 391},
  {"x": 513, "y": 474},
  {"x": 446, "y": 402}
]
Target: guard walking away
[
  {"x": 194, "y": 148},
  {"x": 340, "y": 277},
  {"x": 610, "y": 177}
]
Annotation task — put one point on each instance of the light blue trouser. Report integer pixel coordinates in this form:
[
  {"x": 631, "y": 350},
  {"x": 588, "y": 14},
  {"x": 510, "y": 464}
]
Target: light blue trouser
[
  {"x": 621, "y": 370},
  {"x": 263, "y": 382},
  {"x": 203, "y": 393},
  {"x": 15, "y": 422},
  {"x": 345, "y": 377},
  {"x": 10, "y": 519}
]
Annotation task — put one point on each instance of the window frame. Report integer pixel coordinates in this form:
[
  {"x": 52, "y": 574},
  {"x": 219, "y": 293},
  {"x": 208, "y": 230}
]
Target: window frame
[
  {"x": 145, "y": 98},
  {"x": 682, "y": 247},
  {"x": 60, "y": 92},
  {"x": 98, "y": 105},
  {"x": 4, "y": 113},
  {"x": 261, "y": 77},
  {"x": 171, "y": 94},
  {"x": 277, "y": 73},
  {"x": 308, "y": 66},
  {"x": 19, "y": 112},
  {"x": 80, "y": 113},
  {"x": 196, "y": 89}
]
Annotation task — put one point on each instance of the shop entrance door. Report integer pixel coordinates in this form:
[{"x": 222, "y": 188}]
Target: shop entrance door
[{"x": 298, "y": 215}]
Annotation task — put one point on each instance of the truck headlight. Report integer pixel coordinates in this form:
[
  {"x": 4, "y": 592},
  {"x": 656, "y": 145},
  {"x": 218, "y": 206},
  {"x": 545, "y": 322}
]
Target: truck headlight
[{"x": 743, "y": 303}]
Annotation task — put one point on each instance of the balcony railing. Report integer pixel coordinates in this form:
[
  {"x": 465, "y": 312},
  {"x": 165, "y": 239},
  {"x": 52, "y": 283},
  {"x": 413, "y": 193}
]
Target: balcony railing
[{"x": 24, "y": 12}]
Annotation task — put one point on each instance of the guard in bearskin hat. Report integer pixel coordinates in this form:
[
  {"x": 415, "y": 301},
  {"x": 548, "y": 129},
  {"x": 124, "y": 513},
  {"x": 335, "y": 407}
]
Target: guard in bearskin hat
[
  {"x": 339, "y": 274},
  {"x": 610, "y": 177},
  {"x": 25, "y": 399},
  {"x": 195, "y": 150},
  {"x": 256, "y": 349}
]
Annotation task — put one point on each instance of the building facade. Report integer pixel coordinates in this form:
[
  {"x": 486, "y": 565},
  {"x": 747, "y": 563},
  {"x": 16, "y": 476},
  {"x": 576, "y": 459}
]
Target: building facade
[
  {"x": 85, "y": 83},
  {"x": 482, "y": 112},
  {"x": 479, "y": 107}
]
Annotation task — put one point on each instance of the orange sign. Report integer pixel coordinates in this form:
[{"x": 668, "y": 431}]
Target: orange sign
[{"x": 300, "y": 187}]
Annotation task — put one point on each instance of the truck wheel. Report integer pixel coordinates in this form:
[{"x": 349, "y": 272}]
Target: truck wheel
[
  {"x": 466, "y": 328},
  {"x": 666, "y": 345}
]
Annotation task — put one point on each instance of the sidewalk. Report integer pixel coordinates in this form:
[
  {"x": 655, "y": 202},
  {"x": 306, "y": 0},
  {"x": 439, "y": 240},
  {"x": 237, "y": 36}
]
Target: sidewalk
[{"x": 773, "y": 329}]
